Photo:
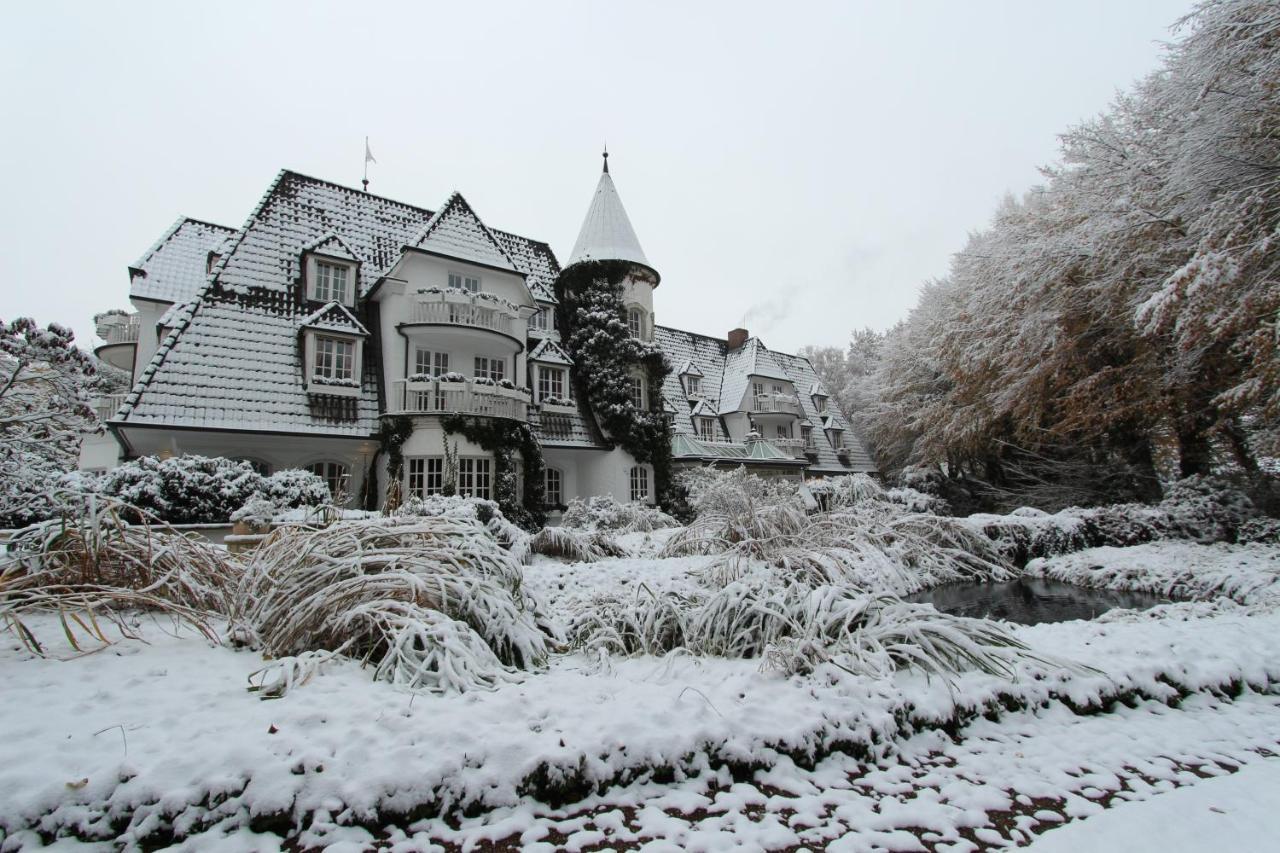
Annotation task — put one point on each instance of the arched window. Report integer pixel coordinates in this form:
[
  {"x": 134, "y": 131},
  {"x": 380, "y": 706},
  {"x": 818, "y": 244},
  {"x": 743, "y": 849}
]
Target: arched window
[
  {"x": 336, "y": 477},
  {"x": 635, "y": 322},
  {"x": 640, "y": 484},
  {"x": 553, "y": 487}
]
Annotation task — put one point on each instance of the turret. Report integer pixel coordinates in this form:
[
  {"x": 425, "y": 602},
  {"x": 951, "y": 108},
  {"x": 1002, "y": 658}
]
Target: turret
[{"x": 607, "y": 235}]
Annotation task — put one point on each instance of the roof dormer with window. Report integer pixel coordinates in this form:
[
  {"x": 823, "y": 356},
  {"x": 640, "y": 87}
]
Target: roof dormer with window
[
  {"x": 332, "y": 342},
  {"x": 331, "y": 272}
]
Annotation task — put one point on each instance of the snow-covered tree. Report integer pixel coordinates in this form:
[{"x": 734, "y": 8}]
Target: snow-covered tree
[{"x": 45, "y": 385}]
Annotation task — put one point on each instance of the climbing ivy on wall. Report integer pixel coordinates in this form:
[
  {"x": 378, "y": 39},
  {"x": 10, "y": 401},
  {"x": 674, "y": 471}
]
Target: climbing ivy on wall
[
  {"x": 392, "y": 433},
  {"x": 593, "y": 326},
  {"x": 504, "y": 439}
]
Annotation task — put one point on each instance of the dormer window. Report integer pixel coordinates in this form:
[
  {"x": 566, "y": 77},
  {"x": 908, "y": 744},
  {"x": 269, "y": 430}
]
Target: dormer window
[
  {"x": 551, "y": 383},
  {"x": 469, "y": 283},
  {"x": 332, "y": 283},
  {"x": 706, "y": 429},
  {"x": 543, "y": 320},
  {"x": 335, "y": 359},
  {"x": 693, "y": 385}
]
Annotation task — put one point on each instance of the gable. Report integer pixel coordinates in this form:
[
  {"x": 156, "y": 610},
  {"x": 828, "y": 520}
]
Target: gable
[
  {"x": 334, "y": 317},
  {"x": 456, "y": 232}
]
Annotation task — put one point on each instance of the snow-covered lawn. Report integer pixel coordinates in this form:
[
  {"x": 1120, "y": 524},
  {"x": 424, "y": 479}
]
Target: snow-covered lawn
[{"x": 143, "y": 735}]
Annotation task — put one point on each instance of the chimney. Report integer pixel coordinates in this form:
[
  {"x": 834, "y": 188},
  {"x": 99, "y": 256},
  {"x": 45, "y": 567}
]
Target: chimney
[{"x": 737, "y": 338}]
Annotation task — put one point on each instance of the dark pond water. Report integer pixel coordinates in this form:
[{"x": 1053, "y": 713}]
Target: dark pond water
[{"x": 1031, "y": 601}]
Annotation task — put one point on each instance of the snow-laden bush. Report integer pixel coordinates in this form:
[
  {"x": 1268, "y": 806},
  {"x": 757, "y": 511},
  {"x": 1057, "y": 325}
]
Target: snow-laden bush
[
  {"x": 604, "y": 512},
  {"x": 433, "y": 602},
  {"x": 485, "y": 512},
  {"x": 583, "y": 546},
  {"x": 99, "y": 564},
  {"x": 1207, "y": 509},
  {"x": 199, "y": 489}
]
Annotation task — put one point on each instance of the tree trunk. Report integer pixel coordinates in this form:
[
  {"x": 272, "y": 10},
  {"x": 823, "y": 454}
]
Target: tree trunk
[{"x": 1238, "y": 441}]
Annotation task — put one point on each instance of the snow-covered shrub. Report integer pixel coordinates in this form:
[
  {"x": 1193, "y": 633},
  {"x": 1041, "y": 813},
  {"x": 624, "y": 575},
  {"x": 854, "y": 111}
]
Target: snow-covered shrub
[
  {"x": 200, "y": 489},
  {"x": 485, "y": 512},
  {"x": 433, "y": 602},
  {"x": 604, "y": 512},
  {"x": 914, "y": 501},
  {"x": 1260, "y": 530},
  {"x": 582, "y": 546},
  {"x": 257, "y": 511},
  {"x": 98, "y": 564},
  {"x": 846, "y": 490},
  {"x": 1207, "y": 509}
]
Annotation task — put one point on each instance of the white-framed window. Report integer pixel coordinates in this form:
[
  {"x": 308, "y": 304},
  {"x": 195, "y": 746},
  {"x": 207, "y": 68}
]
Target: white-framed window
[
  {"x": 553, "y": 487},
  {"x": 543, "y": 320},
  {"x": 332, "y": 282},
  {"x": 335, "y": 476},
  {"x": 429, "y": 362},
  {"x": 636, "y": 386},
  {"x": 706, "y": 429},
  {"x": 551, "y": 383},
  {"x": 757, "y": 388},
  {"x": 635, "y": 322},
  {"x": 474, "y": 478},
  {"x": 783, "y": 431},
  {"x": 693, "y": 385},
  {"x": 335, "y": 358},
  {"x": 777, "y": 389},
  {"x": 806, "y": 433},
  {"x": 640, "y": 483},
  {"x": 490, "y": 368},
  {"x": 820, "y": 404},
  {"x": 461, "y": 281},
  {"x": 426, "y": 476}
]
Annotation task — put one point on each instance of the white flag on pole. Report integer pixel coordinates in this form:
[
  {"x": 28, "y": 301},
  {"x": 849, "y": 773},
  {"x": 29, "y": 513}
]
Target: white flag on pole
[{"x": 368, "y": 155}]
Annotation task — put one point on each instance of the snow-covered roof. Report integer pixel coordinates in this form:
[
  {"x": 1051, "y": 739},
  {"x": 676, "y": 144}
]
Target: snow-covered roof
[
  {"x": 334, "y": 317},
  {"x": 606, "y": 233},
  {"x": 724, "y": 371},
  {"x": 753, "y": 358},
  {"x": 689, "y": 369},
  {"x": 176, "y": 266},
  {"x": 233, "y": 360},
  {"x": 549, "y": 352},
  {"x": 457, "y": 232}
]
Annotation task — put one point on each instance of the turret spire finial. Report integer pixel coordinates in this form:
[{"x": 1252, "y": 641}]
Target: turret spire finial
[{"x": 606, "y": 158}]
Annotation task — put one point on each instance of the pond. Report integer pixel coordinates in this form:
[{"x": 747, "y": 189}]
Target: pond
[{"x": 1031, "y": 601}]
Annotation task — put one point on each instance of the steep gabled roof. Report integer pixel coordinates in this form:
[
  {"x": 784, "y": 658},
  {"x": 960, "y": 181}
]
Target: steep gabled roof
[
  {"x": 334, "y": 246},
  {"x": 232, "y": 359},
  {"x": 606, "y": 233},
  {"x": 718, "y": 363},
  {"x": 177, "y": 265},
  {"x": 334, "y": 317},
  {"x": 549, "y": 352},
  {"x": 457, "y": 232},
  {"x": 753, "y": 358}
]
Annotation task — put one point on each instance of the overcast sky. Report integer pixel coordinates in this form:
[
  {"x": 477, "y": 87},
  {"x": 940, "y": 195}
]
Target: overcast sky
[{"x": 804, "y": 167}]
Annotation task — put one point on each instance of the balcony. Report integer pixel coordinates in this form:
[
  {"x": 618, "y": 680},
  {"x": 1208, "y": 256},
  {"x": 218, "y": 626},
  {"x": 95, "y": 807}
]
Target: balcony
[
  {"x": 796, "y": 447},
  {"x": 119, "y": 332},
  {"x": 439, "y": 397},
  {"x": 477, "y": 311},
  {"x": 105, "y": 407},
  {"x": 776, "y": 404}
]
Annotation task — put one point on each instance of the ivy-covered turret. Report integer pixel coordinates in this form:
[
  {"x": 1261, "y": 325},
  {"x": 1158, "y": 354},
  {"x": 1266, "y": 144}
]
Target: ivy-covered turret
[{"x": 605, "y": 317}]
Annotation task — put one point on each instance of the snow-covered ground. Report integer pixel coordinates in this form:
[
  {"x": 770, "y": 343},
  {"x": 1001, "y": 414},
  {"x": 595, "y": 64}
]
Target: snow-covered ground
[{"x": 143, "y": 735}]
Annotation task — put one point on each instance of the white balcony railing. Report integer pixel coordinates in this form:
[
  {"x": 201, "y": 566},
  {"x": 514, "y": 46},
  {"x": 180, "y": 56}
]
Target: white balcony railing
[
  {"x": 768, "y": 404},
  {"x": 118, "y": 328},
  {"x": 794, "y": 446},
  {"x": 433, "y": 397},
  {"x": 106, "y": 406},
  {"x": 451, "y": 311}
]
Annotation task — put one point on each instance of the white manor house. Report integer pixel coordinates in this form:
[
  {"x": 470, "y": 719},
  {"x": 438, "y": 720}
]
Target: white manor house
[{"x": 288, "y": 341}]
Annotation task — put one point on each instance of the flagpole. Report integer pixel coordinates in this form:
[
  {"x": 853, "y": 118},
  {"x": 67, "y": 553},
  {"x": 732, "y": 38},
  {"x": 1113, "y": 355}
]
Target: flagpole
[{"x": 365, "y": 179}]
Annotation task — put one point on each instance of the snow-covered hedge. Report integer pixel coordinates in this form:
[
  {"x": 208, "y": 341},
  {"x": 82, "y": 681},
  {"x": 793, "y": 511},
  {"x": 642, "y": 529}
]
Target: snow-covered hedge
[{"x": 199, "y": 489}]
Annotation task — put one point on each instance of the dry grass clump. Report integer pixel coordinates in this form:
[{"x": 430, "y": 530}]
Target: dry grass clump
[
  {"x": 92, "y": 568},
  {"x": 433, "y": 603},
  {"x": 576, "y": 545},
  {"x": 794, "y": 628},
  {"x": 604, "y": 512}
]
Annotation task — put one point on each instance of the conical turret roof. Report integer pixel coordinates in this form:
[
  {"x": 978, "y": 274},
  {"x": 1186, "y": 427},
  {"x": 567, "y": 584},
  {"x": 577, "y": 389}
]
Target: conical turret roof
[{"x": 606, "y": 233}]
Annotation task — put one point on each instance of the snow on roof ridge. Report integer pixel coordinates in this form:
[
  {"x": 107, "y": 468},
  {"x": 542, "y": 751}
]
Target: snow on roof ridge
[
  {"x": 457, "y": 201},
  {"x": 315, "y": 316}
]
